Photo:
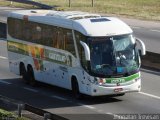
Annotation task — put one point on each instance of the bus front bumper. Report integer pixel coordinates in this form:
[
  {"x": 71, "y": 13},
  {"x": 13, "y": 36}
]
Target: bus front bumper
[{"x": 98, "y": 90}]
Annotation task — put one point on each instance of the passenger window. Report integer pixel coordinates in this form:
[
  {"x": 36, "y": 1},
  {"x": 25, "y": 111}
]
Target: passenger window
[
  {"x": 69, "y": 43},
  {"x": 27, "y": 31},
  {"x": 47, "y": 35}
]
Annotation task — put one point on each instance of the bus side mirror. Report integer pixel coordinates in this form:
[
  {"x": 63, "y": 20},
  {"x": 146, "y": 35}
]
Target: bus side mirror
[
  {"x": 87, "y": 50},
  {"x": 142, "y": 49}
]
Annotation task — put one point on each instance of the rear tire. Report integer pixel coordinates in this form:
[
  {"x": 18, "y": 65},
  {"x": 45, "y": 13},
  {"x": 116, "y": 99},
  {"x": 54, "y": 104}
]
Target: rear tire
[
  {"x": 32, "y": 80},
  {"x": 23, "y": 73},
  {"x": 75, "y": 90}
]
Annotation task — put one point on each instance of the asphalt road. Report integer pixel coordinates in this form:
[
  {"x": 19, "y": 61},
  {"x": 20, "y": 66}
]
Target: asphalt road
[
  {"x": 60, "y": 101},
  {"x": 149, "y": 32}
]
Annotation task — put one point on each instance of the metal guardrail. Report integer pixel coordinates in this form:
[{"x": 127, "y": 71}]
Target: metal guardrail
[
  {"x": 43, "y": 113},
  {"x": 13, "y": 105},
  {"x": 31, "y": 2}
]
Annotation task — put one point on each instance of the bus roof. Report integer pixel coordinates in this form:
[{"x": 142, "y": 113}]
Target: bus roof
[{"x": 87, "y": 24}]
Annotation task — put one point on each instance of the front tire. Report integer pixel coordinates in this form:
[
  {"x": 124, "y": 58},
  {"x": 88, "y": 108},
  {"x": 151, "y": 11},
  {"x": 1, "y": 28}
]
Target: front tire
[{"x": 75, "y": 90}]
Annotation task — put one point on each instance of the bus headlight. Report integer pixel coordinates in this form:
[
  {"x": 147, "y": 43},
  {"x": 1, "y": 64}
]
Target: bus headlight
[{"x": 100, "y": 81}]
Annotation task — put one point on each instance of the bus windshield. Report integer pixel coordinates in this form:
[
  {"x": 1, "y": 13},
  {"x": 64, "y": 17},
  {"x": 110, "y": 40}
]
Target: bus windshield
[{"x": 114, "y": 55}]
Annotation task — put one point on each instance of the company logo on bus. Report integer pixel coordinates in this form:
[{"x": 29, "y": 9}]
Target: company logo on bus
[
  {"x": 60, "y": 58},
  {"x": 57, "y": 57},
  {"x": 118, "y": 81}
]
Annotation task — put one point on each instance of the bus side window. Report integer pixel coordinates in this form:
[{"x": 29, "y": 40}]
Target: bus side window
[
  {"x": 69, "y": 43},
  {"x": 47, "y": 35},
  {"x": 11, "y": 23},
  {"x": 15, "y": 28},
  {"x": 65, "y": 40},
  {"x": 61, "y": 39},
  {"x": 37, "y": 30},
  {"x": 18, "y": 29},
  {"x": 54, "y": 37},
  {"x": 27, "y": 31}
]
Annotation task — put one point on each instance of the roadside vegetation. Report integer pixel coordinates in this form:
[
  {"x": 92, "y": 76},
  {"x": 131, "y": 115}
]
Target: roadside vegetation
[
  {"x": 141, "y": 9},
  {"x": 5, "y": 115}
]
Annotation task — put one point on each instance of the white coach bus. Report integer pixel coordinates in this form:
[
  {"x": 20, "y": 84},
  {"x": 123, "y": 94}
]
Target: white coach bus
[{"x": 83, "y": 52}]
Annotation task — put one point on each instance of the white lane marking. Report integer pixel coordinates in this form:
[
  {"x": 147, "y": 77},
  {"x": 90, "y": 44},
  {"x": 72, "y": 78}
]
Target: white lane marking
[
  {"x": 150, "y": 95},
  {"x": 4, "y": 82},
  {"x": 58, "y": 97},
  {"x": 30, "y": 89},
  {"x": 155, "y": 30},
  {"x": 134, "y": 27},
  {"x": 87, "y": 106},
  {"x": 1, "y": 57},
  {"x": 100, "y": 111},
  {"x": 108, "y": 113},
  {"x": 115, "y": 116}
]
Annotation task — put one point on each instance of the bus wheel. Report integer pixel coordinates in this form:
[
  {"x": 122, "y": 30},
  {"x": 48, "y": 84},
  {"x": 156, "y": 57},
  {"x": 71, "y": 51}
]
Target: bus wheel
[
  {"x": 75, "y": 90},
  {"x": 32, "y": 80},
  {"x": 23, "y": 73}
]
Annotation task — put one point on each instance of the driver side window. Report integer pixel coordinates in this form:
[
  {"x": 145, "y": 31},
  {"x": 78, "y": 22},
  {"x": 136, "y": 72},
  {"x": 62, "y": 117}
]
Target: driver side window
[{"x": 80, "y": 37}]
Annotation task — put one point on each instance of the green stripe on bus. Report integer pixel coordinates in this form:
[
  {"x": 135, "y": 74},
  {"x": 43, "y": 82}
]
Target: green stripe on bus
[
  {"x": 17, "y": 47},
  {"x": 123, "y": 79}
]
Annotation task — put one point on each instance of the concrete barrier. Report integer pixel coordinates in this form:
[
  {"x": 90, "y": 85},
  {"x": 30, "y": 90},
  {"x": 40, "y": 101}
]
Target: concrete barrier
[
  {"x": 151, "y": 61},
  {"x": 3, "y": 30}
]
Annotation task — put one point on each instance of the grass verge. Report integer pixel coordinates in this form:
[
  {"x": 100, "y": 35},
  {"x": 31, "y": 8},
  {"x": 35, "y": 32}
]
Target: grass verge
[
  {"x": 5, "y": 115},
  {"x": 141, "y": 9}
]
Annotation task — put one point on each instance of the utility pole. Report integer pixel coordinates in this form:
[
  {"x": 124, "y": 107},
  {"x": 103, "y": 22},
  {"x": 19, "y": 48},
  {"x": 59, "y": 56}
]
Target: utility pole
[
  {"x": 92, "y": 3},
  {"x": 69, "y": 3},
  {"x": 11, "y": 2}
]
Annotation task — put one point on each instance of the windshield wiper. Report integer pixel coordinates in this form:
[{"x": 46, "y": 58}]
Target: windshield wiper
[{"x": 105, "y": 65}]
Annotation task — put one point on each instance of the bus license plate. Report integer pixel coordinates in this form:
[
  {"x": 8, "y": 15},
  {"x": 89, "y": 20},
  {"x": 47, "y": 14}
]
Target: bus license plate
[{"x": 118, "y": 89}]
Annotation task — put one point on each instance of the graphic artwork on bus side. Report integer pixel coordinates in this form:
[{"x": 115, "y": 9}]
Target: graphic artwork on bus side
[{"x": 40, "y": 54}]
